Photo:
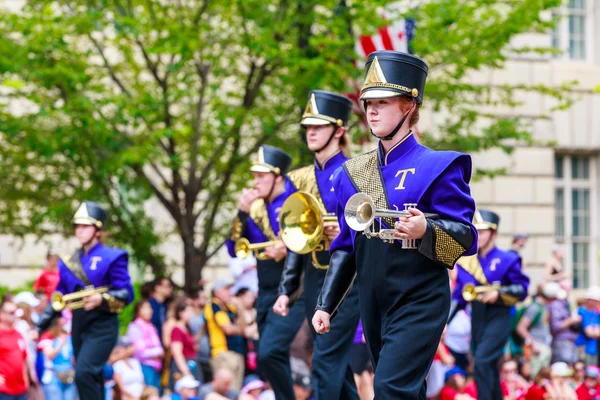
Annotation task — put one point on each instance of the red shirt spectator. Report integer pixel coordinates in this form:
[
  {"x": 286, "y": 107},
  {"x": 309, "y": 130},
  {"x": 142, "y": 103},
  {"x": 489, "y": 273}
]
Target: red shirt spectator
[
  {"x": 13, "y": 354},
  {"x": 49, "y": 277},
  {"x": 187, "y": 340},
  {"x": 471, "y": 389},
  {"x": 589, "y": 389}
]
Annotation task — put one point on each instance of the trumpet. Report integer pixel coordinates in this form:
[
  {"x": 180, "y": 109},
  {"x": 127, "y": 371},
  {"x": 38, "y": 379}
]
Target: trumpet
[
  {"x": 243, "y": 248},
  {"x": 74, "y": 300},
  {"x": 302, "y": 226},
  {"x": 471, "y": 292},
  {"x": 360, "y": 214}
]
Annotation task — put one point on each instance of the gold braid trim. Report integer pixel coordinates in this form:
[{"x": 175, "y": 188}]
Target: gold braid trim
[
  {"x": 305, "y": 179},
  {"x": 508, "y": 300},
  {"x": 364, "y": 172},
  {"x": 259, "y": 214},
  {"x": 447, "y": 249},
  {"x": 236, "y": 229},
  {"x": 114, "y": 305},
  {"x": 472, "y": 265}
]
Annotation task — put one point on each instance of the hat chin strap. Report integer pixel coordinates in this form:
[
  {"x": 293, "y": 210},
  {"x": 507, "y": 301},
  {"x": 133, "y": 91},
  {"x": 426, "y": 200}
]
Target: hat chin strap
[
  {"x": 329, "y": 140},
  {"x": 391, "y": 135}
]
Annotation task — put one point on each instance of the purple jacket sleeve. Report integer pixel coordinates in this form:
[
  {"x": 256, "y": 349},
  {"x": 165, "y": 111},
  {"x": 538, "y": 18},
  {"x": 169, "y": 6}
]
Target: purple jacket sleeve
[
  {"x": 343, "y": 190},
  {"x": 119, "y": 275},
  {"x": 515, "y": 276}
]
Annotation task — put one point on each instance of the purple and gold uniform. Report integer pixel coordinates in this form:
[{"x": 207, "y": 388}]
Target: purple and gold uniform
[{"x": 404, "y": 291}]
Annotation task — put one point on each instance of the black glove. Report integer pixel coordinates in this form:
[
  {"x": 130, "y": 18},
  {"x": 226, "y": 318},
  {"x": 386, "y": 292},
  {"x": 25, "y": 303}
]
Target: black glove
[
  {"x": 114, "y": 300},
  {"x": 292, "y": 273},
  {"x": 338, "y": 282}
]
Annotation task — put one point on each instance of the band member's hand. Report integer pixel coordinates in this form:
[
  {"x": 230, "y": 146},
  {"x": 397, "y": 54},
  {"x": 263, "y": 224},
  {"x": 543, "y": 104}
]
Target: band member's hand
[
  {"x": 490, "y": 297},
  {"x": 276, "y": 252},
  {"x": 412, "y": 227},
  {"x": 331, "y": 229},
  {"x": 93, "y": 301},
  {"x": 246, "y": 199},
  {"x": 281, "y": 305},
  {"x": 320, "y": 321}
]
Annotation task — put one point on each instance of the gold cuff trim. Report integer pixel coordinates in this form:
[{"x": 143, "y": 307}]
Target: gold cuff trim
[
  {"x": 447, "y": 250},
  {"x": 114, "y": 305},
  {"x": 508, "y": 300}
]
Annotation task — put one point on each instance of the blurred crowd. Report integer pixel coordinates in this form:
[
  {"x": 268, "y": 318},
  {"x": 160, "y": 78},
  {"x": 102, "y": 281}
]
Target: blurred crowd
[{"x": 202, "y": 344}]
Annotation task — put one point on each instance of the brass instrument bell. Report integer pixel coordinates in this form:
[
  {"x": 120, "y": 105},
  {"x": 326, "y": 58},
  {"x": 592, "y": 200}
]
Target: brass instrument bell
[
  {"x": 471, "y": 292},
  {"x": 302, "y": 226},
  {"x": 243, "y": 248},
  {"x": 74, "y": 300}
]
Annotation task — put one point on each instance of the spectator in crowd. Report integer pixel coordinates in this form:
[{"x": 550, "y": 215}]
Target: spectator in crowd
[
  {"x": 148, "y": 350},
  {"x": 47, "y": 281},
  {"x": 59, "y": 376},
  {"x": 244, "y": 273},
  {"x": 252, "y": 390},
  {"x": 183, "y": 346},
  {"x": 518, "y": 243},
  {"x": 302, "y": 379},
  {"x": 512, "y": 383},
  {"x": 534, "y": 328},
  {"x": 226, "y": 333},
  {"x": 579, "y": 374},
  {"x": 361, "y": 365},
  {"x": 26, "y": 303},
  {"x": 186, "y": 388},
  {"x": 221, "y": 385},
  {"x": 454, "y": 387},
  {"x": 542, "y": 388},
  {"x": 128, "y": 374},
  {"x": 150, "y": 393},
  {"x": 588, "y": 389},
  {"x": 590, "y": 327},
  {"x": 458, "y": 337},
  {"x": 525, "y": 369},
  {"x": 442, "y": 362},
  {"x": 564, "y": 327},
  {"x": 162, "y": 290},
  {"x": 198, "y": 301},
  {"x": 555, "y": 270},
  {"x": 561, "y": 381},
  {"x": 13, "y": 356},
  {"x": 244, "y": 303}
]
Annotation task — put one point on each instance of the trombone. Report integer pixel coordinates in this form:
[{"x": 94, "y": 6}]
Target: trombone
[
  {"x": 302, "y": 226},
  {"x": 74, "y": 300},
  {"x": 360, "y": 214},
  {"x": 243, "y": 248},
  {"x": 471, "y": 292}
]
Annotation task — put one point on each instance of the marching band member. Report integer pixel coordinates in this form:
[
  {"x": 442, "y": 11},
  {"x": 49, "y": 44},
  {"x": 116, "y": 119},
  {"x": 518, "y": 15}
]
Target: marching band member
[
  {"x": 491, "y": 317},
  {"x": 325, "y": 120},
  {"x": 403, "y": 285},
  {"x": 95, "y": 326},
  {"x": 258, "y": 222}
]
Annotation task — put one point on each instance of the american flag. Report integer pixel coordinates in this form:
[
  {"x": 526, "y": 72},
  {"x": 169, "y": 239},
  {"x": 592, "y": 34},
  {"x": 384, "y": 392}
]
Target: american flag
[{"x": 395, "y": 36}]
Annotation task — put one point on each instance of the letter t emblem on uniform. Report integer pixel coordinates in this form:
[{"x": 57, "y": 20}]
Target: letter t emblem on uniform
[{"x": 403, "y": 173}]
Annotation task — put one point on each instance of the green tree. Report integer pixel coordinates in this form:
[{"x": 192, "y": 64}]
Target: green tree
[{"x": 122, "y": 101}]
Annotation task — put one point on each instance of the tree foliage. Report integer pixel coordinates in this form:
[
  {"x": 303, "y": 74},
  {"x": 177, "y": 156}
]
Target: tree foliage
[{"x": 123, "y": 101}]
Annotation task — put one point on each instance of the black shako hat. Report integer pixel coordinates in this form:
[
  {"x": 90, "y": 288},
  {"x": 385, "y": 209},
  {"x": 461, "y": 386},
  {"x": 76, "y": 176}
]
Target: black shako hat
[
  {"x": 486, "y": 219},
  {"x": 393, "y": 73},
  {"x": 271, "y": 159},
  {"x": 326, "y": 108},
  {"x": 90, "y": 213}
]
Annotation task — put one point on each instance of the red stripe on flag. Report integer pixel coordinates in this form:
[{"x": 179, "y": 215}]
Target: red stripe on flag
[
  {"x": 385, "y": 38},
  {"x": 367, "y": 45}
]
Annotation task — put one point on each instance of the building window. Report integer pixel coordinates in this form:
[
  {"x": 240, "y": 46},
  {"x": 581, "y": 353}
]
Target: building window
[
  {"x": 573, "y": 214},
  {"x": 573, "y": 31}
]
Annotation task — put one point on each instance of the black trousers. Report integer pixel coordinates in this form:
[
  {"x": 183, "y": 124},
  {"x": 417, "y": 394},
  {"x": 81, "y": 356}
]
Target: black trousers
[
  {"x": 404, "y": 305},
  {"x": 332, "y": 375},
  {"x": 276, "y": 335},
  {"x": 94, "y": 334},
  {"x": 491, "y": 326}
]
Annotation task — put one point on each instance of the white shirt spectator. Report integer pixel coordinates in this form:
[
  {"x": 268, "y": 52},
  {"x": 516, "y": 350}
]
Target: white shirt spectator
[
  {"x": 458, "y": 334},
  {"x": 132, "y": 377},
  {"x": 244, "y": 273}
]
